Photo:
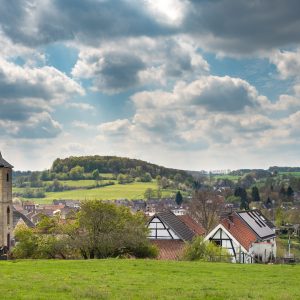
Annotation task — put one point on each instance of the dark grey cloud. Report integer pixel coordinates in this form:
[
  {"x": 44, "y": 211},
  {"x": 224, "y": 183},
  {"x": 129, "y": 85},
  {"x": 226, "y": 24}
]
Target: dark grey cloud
[
  {"x": 16, "y": 110},
  {"x": 242, "y": 26},
  {"x": 225, "y": 95},
  {"x": 118, "y": 71},
  {"x": 34, "y": 22}
]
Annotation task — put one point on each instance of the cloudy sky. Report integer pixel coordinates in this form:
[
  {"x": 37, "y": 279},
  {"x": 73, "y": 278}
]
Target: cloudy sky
[{"x": 190, "y": 84}]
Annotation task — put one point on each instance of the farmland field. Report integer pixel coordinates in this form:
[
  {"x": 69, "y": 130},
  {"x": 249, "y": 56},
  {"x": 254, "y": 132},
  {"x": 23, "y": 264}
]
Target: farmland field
[
  {"x": 129, "y": 191},
  {"x": 146, "y": 279}
]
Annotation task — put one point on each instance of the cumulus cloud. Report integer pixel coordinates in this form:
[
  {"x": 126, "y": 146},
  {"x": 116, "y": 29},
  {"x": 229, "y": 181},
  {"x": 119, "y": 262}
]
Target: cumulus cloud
[
  {"x": 80, "y": 105},
  {"x": 243, "y": 27},
  {"x": 140, "y": 61},
  {"x": 35, "y": 22},
  {"x": 287, "y": 63},
  {"x": 28, "y": 96}
]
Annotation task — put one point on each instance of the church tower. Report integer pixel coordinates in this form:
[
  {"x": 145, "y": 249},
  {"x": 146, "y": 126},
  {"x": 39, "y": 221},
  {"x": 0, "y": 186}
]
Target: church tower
[{"x": 6, "y": 207}]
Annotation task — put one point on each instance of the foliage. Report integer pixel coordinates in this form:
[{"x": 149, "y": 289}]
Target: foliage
[
  {"x": 116, "y": 165},
  {"x": 255, "y": 194},
  {"x": 106, "y": 230},
  {"x": 199, "y": 249},
  {"x": 242, "y": 194},
  {"x": 178, "y": 198},
  {"x": 77, "y": 173}
]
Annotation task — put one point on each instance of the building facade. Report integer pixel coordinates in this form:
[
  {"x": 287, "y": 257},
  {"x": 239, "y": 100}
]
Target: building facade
[
  {"x": 6, "y": 207},
  {"x": 248, "y": 236}
]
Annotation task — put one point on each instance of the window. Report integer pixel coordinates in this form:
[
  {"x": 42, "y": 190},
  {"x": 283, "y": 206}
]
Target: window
[
  {"x": 7, "y": 177},
  {"x": 8, "y": 215},
  {"x": 8, "y": 241}
]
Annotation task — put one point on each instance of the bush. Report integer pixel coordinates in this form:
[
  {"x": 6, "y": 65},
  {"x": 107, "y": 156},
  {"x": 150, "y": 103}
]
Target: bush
[{"x": 199, "y": 249}]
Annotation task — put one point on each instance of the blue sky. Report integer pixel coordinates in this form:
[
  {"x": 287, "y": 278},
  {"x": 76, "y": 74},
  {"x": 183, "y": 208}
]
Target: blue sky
[{"x": 183, "y": 83}]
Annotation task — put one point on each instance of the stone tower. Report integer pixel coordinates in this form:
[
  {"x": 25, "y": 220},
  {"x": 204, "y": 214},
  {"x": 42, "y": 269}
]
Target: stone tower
[{"x": 6, "y": 207}]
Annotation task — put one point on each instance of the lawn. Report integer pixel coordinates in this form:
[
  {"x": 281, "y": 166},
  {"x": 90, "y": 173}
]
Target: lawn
[
  {"x": 130, "y": 191},
  {"x": 146, "y": 279}
]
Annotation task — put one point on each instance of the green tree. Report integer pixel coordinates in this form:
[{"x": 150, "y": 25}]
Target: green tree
[
  {"x": 255, "y": 194},
  {"x": 178, "y": 198},
  {"x": 290, "y": 192},
  {"x": 242, "y": 193},
  {"x": 109, "y": 230},
  {"x": 199, "y": 249},
  {"x": 148, "y": 193},
  {"x": 77, "y": 173}
]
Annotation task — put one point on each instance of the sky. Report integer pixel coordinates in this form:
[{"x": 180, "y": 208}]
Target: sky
[{"x": 189, "y": 84}]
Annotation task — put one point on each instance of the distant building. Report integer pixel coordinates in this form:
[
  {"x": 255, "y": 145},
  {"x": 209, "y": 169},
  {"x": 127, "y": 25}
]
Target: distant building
[
  {"x": 170, "y": 232},
  {"x": 248, "y": 236}
]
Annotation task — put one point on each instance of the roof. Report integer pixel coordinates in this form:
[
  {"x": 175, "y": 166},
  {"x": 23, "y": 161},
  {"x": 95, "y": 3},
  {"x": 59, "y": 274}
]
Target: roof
[
  {"x": 169, "y": 249},
  {"x": 248, "y": 226},
  {"x": 257, "y": 222},
  {"x": 240, "y": 231},
  {"x": 17, "y": 215},
  {"x": 177, "y": 225},
  {"x": 4, "y": 163},
  {"x": 192, "y": 224}
]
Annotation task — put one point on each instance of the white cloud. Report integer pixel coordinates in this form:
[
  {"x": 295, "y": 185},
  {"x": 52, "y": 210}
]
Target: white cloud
[{"x": 287, "y": 63}]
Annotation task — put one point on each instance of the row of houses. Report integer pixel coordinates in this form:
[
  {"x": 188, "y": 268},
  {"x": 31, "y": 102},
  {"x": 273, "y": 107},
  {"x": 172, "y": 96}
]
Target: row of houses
[{"x": 248, "y": 236}]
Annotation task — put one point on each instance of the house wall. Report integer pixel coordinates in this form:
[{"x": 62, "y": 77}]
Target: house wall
[
  {"x": 264, "y": 251},
  {"x": 6, "y": 219}
]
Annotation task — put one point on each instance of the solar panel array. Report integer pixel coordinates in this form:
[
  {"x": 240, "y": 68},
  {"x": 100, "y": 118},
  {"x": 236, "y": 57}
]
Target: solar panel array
[{"x": 258, "y": 223}]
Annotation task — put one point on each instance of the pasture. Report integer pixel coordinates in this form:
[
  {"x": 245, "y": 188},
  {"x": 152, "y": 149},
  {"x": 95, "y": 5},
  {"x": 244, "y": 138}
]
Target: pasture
[{"x": 146, "y": 279}]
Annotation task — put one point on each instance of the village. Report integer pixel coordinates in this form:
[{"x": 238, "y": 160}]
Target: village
[{"x": 247, "y": 235}]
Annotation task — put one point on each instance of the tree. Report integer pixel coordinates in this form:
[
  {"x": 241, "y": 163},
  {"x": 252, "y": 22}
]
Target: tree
[
  {"x": 242, "y": 193},
  {"x": 77, "y": 173},
  {"x": 96, "y": 175},
  {"x": 205, "y": 251},
  {"x": 178, "y": 198},
  {"x": 255, "y": 194},
  {"x": 289, "y": 192},
  {"x": 282, "y": 191},
  {"x": 108, "y": 230},
  {"x": 205, "y": 208},
  {"x": 148, "y": 194}
]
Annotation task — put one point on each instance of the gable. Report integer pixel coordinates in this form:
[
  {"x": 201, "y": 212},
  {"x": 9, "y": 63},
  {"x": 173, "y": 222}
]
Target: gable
[
  {"x": 222, "y": 237},
  {"x": 161, "y": 230}
]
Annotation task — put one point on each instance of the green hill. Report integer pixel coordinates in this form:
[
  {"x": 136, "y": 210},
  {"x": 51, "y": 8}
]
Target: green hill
[{"x": 146, "y": 279}]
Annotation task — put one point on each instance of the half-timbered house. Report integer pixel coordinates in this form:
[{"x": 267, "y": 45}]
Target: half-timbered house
[
  {"x": 248, "y": 236},
  {"x": 169, "y": 233}
]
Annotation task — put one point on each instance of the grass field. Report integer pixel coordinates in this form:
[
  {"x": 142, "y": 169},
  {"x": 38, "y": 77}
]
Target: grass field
[
  {"x": 146, "y": 279},
  {"x": 296, "y": 174},
  {"x": 130, "y": 191},
  {"x": 225, "y": 176}
]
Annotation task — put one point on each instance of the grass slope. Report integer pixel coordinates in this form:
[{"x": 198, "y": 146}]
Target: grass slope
[
  {"x": 129, "y": 191},
  {"x": 146, "y": 279}
]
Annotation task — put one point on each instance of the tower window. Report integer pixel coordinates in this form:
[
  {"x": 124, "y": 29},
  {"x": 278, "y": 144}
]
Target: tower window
[
  {"x": 8, "y": 215},
  {"x": 7, "y": 177}
]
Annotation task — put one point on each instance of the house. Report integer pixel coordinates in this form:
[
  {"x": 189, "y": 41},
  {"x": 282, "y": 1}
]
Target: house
[
  {"x": 248, "y": 236},
  {"x": 170, "y": 232}
]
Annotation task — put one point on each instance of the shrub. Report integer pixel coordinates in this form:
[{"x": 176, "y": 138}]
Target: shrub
[{"x": 199, "y": 249}]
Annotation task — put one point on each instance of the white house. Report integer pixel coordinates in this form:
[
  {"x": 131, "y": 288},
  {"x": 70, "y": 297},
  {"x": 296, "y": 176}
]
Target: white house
[{"x": 248, "y": 236}]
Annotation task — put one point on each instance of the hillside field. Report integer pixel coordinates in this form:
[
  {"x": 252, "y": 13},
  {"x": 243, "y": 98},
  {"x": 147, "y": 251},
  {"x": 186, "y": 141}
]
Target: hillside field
[
  {"x": 146, "y": 279},
  {"x": 129, "y": 191}
]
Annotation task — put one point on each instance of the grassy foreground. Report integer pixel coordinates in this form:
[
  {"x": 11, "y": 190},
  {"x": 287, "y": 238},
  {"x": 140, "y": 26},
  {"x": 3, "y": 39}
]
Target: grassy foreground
[{"x": 146, "y": 279}]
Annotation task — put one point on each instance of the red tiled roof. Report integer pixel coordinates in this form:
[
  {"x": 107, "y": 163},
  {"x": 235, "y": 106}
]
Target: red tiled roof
[
  {"x": 240, "y": 231},
  {"x": 192, "y": 224},
  {"x": 169, "y": 249}
]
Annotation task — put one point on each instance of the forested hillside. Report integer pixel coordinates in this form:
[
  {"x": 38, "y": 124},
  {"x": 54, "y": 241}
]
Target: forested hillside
[{"x": 115, "y": 165}]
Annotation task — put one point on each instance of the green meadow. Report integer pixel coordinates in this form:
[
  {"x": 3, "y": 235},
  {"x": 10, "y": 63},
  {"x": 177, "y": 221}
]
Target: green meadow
[
  {"x": 129, "y": 191},
  {"x": 146, "y": 279}
]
